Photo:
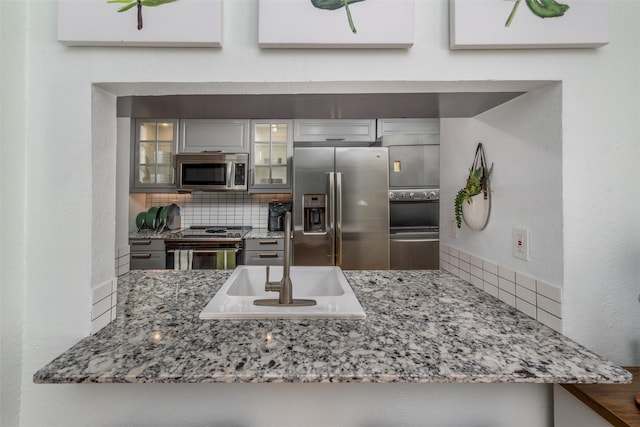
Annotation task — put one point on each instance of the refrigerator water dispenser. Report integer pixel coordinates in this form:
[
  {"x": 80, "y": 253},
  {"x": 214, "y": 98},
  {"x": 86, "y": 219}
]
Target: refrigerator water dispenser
[{"x": 314, "y": 206}]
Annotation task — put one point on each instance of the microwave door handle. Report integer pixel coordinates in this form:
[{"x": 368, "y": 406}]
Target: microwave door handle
[
  {"x": 230, "y": 167},
  {"x": 332, "y": 218},
  {"x": 339, "y": 218}
]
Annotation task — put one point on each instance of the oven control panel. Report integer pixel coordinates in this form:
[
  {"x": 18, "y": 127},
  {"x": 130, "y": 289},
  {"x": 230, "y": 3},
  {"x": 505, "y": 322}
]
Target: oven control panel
[{"x": 415, "y": 194}]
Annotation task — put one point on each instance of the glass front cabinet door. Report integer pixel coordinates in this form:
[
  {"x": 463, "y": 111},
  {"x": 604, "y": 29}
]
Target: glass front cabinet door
[
  {"x": 153, "y": 153},
  {"x": 271, "y": 151}
]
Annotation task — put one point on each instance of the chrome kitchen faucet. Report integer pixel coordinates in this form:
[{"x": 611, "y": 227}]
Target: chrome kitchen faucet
[{"x": 284, "y": 286}]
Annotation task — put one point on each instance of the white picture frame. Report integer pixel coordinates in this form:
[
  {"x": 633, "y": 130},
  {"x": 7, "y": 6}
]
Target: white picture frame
[
  {"x": 482, "y": 24},
  {"x": 300, "y": 24},
  {"x": 189, "y": 23}
]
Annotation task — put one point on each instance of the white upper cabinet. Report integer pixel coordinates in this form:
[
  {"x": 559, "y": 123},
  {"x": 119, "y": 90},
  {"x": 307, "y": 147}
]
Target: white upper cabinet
[
  {"x": 334, "y": 130},
  {"x": 387, "y": 127},
  {"x": 226, "y": 136}
]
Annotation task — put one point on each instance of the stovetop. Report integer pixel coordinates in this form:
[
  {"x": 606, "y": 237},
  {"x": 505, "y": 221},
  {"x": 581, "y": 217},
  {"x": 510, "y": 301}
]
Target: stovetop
[{"x": 214, "y": 232}]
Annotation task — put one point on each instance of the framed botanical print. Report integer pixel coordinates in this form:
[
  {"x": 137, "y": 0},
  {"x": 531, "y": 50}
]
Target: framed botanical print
[{"x": 523, "y": 24}]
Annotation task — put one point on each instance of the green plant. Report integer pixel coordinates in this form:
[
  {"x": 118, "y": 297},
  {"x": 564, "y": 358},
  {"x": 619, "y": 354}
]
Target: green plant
[
  {"x": 542, "y": 8},
  {"x": 139, "y": 3},
  {"x": 477, "y": 181},
  {"x": 336, "y": 4}
]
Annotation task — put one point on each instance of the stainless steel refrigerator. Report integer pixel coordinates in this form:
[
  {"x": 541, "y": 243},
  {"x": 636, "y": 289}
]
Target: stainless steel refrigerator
[{"x": 341, "y": 207}]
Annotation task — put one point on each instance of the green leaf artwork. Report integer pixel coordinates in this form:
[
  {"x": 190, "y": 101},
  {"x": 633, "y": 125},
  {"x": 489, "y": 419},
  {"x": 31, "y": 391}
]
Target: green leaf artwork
[
  {"x": 337, "y": 4},
  {"x": 541, "y": 8},
  {"x": 139, "y": 3}
]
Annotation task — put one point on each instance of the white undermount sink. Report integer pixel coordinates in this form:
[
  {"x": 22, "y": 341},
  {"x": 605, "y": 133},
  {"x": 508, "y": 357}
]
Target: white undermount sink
[{"x": 326, "y": 285}]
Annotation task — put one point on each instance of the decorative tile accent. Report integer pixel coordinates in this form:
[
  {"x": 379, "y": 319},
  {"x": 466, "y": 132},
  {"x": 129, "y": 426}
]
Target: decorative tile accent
[
  {"x": 549, "y": 291},
  {"x": 506, "y": 285},
  {"x": 535, "y": 298},
  {"x": 122, "y": 260},
  {"x": 103, "y": 308}
]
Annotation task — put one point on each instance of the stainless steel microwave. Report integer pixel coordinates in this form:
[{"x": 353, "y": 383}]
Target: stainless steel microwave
[{"x": 212, "y": 172}]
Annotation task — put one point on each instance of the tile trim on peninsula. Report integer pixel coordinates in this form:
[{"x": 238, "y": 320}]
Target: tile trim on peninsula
[
  {"x": 537, "y": 299},
  {"x": 103, "y": 305},
  {"x": 104, "y": 297}
]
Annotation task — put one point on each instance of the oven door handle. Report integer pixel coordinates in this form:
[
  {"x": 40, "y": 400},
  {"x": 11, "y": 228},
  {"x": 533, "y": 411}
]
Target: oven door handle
[
  {"x": 415, "y": 240},
  {"x": 205, "y": 251}
]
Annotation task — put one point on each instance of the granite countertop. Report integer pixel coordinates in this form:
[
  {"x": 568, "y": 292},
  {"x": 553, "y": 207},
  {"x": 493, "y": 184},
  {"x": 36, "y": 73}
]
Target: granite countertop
[
  {"x": 151, "y": 234},
  {"x": 256, "y": 233},
  {"x": 421, "y": 326},
  {"x": 263, "y": 233}
]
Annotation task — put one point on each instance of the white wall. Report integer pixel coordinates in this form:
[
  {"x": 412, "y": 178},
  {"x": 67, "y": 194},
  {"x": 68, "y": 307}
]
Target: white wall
[
  {"x": 48, "y": 263},
  {"x": 13, "y": 122},
  {"x": 523, "y": 140}
]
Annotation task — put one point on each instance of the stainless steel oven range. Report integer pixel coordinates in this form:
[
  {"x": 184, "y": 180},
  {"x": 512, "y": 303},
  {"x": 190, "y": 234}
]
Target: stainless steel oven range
[
  {"x": 206, "y": 247},
  {"x": 414, "y": 230}
]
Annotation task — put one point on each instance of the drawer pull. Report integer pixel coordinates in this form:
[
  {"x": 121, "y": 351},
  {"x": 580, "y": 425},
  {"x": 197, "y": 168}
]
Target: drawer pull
[
  {"x": 268, "y": 242},
  {"x": 273, "y": 255},
  {"x": 140, "y": 242},
  {"x": 140, "y": 256}
]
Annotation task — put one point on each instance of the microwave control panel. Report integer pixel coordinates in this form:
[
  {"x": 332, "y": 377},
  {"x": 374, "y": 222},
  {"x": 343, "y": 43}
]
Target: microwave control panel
[{"x": 240, "y": 174}]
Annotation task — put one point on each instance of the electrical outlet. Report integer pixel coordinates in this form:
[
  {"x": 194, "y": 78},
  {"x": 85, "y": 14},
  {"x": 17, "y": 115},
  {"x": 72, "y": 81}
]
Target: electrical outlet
[{"x": 521, "y": 243}]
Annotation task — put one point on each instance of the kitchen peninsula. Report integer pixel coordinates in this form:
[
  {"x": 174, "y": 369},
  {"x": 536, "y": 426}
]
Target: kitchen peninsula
[{"x": 421, "y": 327}]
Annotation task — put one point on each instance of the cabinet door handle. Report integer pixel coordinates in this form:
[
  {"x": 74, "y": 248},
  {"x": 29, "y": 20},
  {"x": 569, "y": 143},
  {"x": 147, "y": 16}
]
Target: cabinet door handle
[
  {"x": 140, "y": 256},
  {"x": 140, "y": 242},
  {"x": 273, "y": 255},
  {"x": 268, "y": 242}
]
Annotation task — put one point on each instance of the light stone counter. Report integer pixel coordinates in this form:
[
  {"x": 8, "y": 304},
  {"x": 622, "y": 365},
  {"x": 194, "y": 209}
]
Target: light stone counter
[
  {"x": 421, "y": 326},
  {"x": 263, "y": 233}
]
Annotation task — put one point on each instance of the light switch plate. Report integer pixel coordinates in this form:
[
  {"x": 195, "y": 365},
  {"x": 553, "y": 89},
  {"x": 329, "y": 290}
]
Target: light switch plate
[
  {"x": 521, "y": 243},
  {"x": 453, "y": 228}
]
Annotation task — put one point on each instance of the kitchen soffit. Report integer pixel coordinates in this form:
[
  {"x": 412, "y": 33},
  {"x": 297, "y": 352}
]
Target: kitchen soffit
[{"x": 314, "y": 106}]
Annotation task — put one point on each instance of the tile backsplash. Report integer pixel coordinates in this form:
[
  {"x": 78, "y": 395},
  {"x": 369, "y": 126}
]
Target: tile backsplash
[
  {"x": 220, "y": 208},
  {"x": 535, "y": 298},
  {"x": 103, "y": 304}
]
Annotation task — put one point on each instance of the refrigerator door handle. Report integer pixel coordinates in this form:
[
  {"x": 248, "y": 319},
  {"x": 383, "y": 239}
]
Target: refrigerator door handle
[
  {"x": 339, "y": 218},
  {"x": 332, "y": 218}
]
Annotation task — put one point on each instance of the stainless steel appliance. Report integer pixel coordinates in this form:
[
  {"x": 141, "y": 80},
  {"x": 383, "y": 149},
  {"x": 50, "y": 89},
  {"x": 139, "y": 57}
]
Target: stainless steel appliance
[
  {"x": 277, "y": 211},
  {"x": 212, "y": 171},
  {"x": 206, "y": 244},
  {"x": 414, "y": 238},
  {"x": 414, "y": 160},
  {"x": 341, "y": 207}
]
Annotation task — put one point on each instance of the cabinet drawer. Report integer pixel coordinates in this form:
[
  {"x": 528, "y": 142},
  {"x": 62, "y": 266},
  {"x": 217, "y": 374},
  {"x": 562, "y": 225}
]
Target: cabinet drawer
[
  {"x": 264, "y": 245},
  {"x": 146, "y": 245},
  {"x": 265, "y": 257},
  {"x": 150, "y": 260}
]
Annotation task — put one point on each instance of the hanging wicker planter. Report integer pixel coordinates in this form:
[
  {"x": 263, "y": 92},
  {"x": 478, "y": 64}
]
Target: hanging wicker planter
[{"x": 473, "y": 202}]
